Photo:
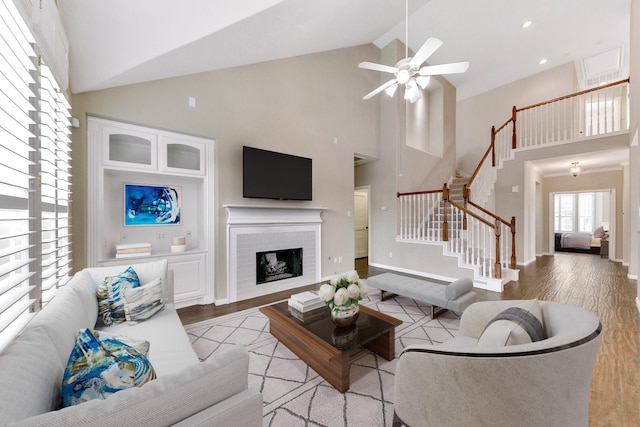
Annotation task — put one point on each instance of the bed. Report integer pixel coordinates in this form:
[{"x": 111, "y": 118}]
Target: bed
[{"x": 579, "y": 242}]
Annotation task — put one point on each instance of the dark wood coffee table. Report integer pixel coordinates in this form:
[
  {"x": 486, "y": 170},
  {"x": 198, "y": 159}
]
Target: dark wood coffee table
[{"x": 313, "y": 338}]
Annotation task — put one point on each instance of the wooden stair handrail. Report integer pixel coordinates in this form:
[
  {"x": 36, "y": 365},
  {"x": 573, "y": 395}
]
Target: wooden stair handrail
[
  {"x": 486, "y": 154},
  {"x": 413, "y": 193},
  {"x": 491, "y": 214},
  {"x": 562, "y": 98},
  {"x": 446, "y": 200},
  {"x": 476, "y": 216}
]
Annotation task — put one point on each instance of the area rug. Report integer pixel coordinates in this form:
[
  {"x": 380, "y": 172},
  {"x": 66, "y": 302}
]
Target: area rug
[{"x": 295, "y": 395}]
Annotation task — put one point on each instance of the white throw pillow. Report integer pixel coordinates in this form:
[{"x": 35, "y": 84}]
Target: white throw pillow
[{"x": 144, "y": 301}]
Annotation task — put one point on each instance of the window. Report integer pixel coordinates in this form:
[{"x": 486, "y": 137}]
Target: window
[
  {"x": 34, "y": 170},
  {"x": 585, "y": 212},
  {"x": 579, "y": 211}
]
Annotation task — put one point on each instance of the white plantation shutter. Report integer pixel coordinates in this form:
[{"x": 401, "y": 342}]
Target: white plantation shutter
[
  {"x": 55, "y": 157},
  {"x": 17, "y": 107}
]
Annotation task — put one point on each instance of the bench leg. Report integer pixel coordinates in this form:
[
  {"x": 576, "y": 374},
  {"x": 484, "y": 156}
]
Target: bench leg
[
  {"x": 385, "y": 295},
  {"x": 436, "y": 311}
]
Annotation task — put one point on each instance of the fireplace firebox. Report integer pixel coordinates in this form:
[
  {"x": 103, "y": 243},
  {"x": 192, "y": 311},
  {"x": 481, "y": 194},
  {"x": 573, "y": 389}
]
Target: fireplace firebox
[{"x": 278, "y": 265}]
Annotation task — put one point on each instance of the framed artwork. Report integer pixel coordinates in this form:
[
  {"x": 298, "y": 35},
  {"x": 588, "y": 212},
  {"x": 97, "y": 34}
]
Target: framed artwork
[{"x": 152, "y": 205}]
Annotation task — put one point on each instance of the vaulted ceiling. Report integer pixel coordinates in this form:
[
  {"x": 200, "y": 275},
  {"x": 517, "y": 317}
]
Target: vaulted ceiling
[{"x": 119, "y": 42}]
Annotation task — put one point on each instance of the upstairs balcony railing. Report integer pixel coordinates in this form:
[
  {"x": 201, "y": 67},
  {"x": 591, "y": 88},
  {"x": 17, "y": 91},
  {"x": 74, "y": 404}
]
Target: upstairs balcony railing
[{"x": 599, "y": 111}]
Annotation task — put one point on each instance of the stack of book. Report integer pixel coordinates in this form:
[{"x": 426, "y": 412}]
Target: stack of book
[
  {"x": 132, "y": 250},
  {"x": 305, "y": 301}
]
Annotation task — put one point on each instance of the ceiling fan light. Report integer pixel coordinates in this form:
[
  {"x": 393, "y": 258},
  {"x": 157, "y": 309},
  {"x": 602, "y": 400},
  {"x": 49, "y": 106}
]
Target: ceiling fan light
[
  {"x": 423, "y": 81},
  {"x": 391, "y": 90},
  {"x": 403, "y": 76},
  {"x": 411, "y": 91}
]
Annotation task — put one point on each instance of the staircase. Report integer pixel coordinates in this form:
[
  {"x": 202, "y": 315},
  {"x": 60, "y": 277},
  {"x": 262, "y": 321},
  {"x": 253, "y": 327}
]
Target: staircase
[
  {"x": 481, "y": 240},
  {"x": 456, "y": 189}
]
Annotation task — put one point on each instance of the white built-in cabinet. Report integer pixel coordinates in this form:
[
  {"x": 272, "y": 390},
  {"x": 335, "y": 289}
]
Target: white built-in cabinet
[{"x": 122, "y": 153}]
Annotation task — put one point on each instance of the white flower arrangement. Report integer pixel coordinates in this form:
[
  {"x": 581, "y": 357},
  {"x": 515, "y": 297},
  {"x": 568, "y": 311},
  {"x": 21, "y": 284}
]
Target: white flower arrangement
[{"x": 344, "y": 290}]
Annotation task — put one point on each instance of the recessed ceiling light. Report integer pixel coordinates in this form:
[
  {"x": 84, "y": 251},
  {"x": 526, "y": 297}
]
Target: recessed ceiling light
[
  {"x": 542, "y": 61},
  {"x": 526, "y": 24}
]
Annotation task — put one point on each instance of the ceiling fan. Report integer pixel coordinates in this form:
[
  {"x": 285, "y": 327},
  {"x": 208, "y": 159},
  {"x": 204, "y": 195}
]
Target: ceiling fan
[{"x": 408, "y": 71}]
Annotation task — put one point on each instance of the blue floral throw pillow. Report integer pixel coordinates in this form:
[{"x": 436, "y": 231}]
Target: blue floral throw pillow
[
  {"x": 98, "y": 368},
  {"x": 111, "y": 296}
]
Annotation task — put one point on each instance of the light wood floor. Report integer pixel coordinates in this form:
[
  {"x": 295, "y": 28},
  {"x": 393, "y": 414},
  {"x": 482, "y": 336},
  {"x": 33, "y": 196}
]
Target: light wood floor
[{"x": 579, "y": 279}]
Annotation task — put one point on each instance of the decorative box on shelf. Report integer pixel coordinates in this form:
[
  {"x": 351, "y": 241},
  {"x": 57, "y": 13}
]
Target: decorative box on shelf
[{"x": 178, "y": 244}]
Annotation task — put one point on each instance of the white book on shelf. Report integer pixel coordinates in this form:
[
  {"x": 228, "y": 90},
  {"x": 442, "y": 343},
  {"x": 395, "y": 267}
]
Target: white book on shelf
[{"x": 133, "y": 250}]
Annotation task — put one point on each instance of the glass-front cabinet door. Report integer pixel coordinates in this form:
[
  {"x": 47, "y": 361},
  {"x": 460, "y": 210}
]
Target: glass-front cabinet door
[
  {"x": 181, "y": 156},
  {"x": 129, "y": 148}
]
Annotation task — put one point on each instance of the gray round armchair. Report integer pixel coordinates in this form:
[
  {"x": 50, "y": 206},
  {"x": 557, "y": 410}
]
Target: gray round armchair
[{"x": 462, "y": 383}]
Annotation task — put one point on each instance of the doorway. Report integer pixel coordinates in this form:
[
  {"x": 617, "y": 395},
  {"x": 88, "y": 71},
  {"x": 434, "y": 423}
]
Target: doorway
[
  {"x": 361, "y": 222},
  {"x": 575, "y": 212}
]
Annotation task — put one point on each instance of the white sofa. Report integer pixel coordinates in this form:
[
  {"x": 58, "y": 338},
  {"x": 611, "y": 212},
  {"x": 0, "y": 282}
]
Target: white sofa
[
  {"x": 542, "y": 383},
  {"x": 186, "y": 391}
]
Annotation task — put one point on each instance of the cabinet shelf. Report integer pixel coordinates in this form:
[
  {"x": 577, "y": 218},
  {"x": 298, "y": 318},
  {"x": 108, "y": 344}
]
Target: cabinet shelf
[{"x": 155, "y": 254}]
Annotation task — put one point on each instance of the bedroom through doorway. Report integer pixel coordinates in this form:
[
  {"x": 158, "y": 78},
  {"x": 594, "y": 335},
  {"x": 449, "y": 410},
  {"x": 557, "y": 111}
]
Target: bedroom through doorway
[{"x": 582, "y": 221}]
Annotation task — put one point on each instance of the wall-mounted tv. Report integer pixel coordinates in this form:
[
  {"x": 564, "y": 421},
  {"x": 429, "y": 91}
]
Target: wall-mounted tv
[{"x": 270, "y": 175}]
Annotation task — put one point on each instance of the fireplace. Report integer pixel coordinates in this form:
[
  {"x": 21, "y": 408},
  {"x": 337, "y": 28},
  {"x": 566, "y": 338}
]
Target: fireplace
[
  {"x": 278, "y": 265},
  {"x": 270, "y": 230}
]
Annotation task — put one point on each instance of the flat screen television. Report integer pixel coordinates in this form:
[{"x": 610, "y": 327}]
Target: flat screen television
[{"x": 270, "y": 175}]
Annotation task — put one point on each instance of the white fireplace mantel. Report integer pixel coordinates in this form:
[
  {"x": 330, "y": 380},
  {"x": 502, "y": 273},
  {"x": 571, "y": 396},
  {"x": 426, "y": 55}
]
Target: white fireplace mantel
[
  {"x": 252, "y": 229},
  {"x": 240, "y": 215}
]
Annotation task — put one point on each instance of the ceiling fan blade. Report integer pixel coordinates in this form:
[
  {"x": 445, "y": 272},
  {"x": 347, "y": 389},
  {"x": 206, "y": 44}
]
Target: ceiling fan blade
[
  {"x": 453, "y": 68},
  {"x": 379, "y": 89},
  {"x": 377, "y": 67},
  {"x": 428, "y": 48}
]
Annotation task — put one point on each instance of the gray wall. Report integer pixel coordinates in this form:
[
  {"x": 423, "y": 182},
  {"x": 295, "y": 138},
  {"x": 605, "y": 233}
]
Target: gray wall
[
  {"x": 477, "y": 114},
  {"x": 297, "y": 105},
  {"x": 401, "y": 168},
  {"x": 519, "y": 172}
]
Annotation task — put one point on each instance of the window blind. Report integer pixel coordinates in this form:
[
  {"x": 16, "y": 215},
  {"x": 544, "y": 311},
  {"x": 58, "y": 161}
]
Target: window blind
[
  {"x": 55, "y": 157},
  {"x": 17, "y": 107}
]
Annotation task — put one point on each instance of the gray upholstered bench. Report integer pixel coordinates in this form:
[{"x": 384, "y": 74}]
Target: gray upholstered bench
[{"x": 455, "y": 296}]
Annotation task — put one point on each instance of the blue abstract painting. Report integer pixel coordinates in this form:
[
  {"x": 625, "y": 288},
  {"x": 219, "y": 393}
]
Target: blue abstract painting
[{"x": 151, "y": 205}]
